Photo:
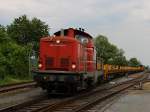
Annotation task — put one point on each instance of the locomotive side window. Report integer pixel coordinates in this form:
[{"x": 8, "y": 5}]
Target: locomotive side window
[
  {"x": 64, "y": 32},
  {"x": 82, "y": 39}
]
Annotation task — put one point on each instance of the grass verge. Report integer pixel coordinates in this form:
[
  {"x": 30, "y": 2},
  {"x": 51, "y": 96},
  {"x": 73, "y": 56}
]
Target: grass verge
[{"x": 12, "y": 80}]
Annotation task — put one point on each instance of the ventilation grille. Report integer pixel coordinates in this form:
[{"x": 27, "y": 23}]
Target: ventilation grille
[
  {"x": 64, "y": 62},
  {"x": 49, "y": 62}
]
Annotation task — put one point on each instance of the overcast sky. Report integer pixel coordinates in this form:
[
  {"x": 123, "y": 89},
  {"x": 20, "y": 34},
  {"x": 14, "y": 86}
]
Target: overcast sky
[{"x": 125, "y": 22}]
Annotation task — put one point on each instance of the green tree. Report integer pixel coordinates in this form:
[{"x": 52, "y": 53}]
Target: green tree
[
  {"x": 3, "y": 34},
  {"x": 16, "y": 42},
  {"x": 2, "y": 66},
  {"x": 3, "y": 41},
  {"x": 17, "y": 59},
  {"x": 103, "y": 48},
  {"x": 147, "y": 67},
  {"x": 24, "y": 31},
  {"x": 134, "y": 62},
  {"x": 120, "y": 59},
  {"x": 109, "y": 52},
  {"x": 13, "y": 57}
]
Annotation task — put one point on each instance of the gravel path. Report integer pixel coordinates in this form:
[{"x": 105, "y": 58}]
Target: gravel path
[{"x": 20, "y": 96}]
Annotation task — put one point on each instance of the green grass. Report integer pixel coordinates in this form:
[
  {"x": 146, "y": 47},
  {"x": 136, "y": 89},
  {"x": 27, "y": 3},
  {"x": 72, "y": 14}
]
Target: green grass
[{"x": 12, "y": 80}]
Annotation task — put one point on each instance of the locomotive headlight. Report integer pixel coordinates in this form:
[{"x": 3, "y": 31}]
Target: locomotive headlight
[
  {"x": 40, "y": 65},
  {"x": 73, "y": 66},
  {"x": 57, "y": 41}
]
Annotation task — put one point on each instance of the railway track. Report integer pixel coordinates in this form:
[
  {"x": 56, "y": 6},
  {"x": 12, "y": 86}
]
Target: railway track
[
  {"x": 77, "y": 103},
  {"x": 12, "y": 87}
]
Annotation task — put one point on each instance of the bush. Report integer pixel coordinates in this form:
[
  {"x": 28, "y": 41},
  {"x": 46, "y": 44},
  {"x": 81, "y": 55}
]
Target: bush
[{"x": 14, "y": 60}]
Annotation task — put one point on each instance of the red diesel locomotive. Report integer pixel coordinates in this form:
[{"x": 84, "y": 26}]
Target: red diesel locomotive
[{"x": 67, "y": 61}]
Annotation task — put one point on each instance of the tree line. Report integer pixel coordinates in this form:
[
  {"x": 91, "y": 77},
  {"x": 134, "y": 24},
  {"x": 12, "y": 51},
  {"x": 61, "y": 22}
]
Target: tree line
[
  {"x": 22, "y": 36},
  {"x": 111, "y": 54},
  {"x": 17, "y": 40}
]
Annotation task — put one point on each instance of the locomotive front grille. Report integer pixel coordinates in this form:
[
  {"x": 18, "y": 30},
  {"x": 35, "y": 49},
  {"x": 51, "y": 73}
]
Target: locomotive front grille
[
  {"x": 64, "y": 62},
  {"x": 49, "y": 63}
]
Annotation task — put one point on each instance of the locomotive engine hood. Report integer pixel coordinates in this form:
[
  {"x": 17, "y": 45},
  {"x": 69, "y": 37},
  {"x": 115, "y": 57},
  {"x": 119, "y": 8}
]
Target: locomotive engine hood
[{"x": 58, "y": 53}]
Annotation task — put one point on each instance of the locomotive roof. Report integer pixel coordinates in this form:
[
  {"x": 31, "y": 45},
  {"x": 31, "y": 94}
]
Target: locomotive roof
[{"x": 76, "y": 31}]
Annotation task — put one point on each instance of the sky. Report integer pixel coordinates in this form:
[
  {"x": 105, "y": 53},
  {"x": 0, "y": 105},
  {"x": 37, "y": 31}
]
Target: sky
[{"x": 126, "y": 23}]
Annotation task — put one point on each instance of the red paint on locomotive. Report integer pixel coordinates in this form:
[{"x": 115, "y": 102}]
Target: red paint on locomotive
[{"x": 73, "y": 51}]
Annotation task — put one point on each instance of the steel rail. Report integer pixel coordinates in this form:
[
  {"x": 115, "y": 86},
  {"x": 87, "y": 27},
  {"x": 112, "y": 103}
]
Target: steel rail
[
  {"x": 82, "y": 100},
  {"x": 12, "y": 87}
]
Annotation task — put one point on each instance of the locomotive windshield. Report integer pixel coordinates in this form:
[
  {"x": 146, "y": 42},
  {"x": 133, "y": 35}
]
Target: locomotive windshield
[{"x": 82, "y": 39}]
